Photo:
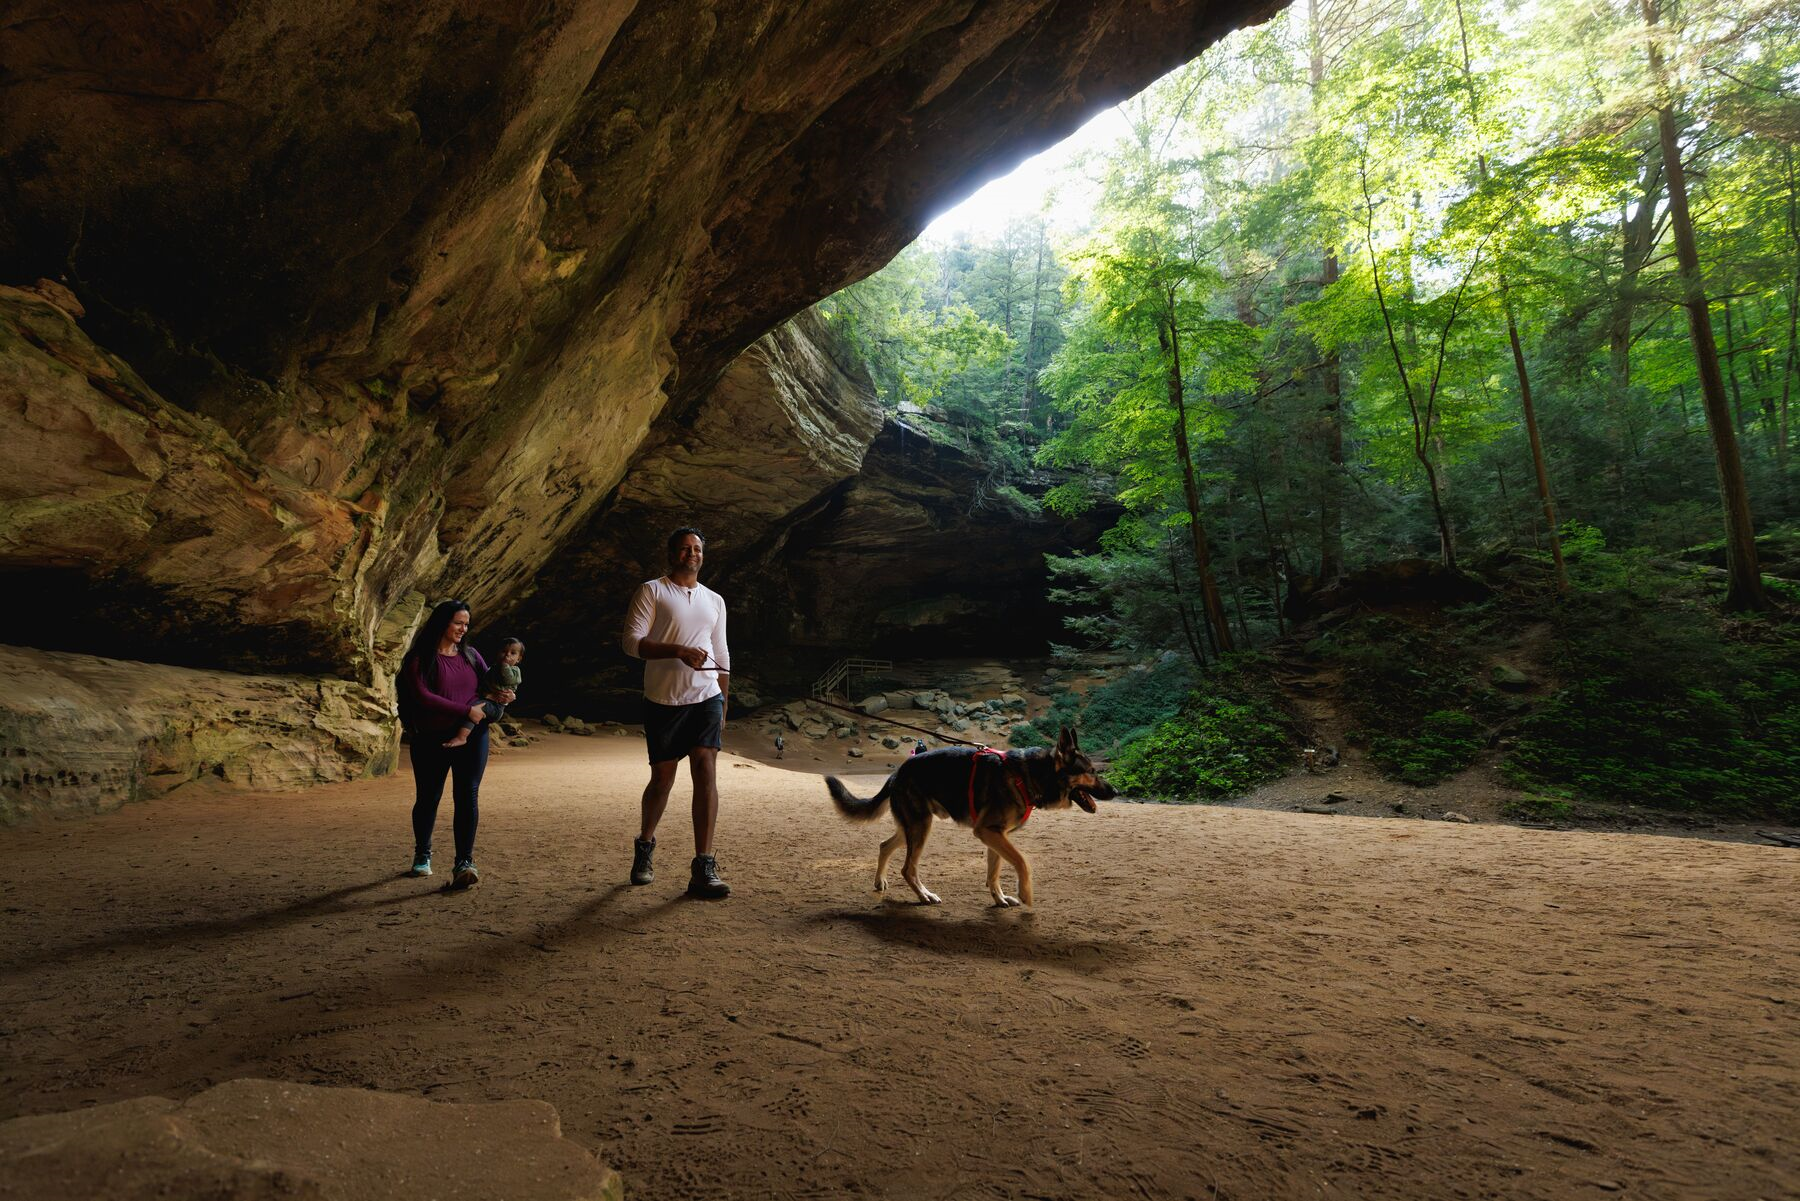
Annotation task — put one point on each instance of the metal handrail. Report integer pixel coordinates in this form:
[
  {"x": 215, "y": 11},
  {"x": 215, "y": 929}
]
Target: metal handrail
[{"x": 840, "y": 671}]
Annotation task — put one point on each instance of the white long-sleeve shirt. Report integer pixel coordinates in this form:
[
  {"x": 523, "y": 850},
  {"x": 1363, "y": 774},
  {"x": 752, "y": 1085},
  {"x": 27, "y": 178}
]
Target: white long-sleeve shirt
[{"x": 664, "y": 611}]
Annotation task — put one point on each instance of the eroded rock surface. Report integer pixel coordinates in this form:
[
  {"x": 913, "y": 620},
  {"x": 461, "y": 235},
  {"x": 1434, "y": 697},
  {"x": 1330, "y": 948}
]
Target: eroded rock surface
[
  {"x": 259, "y": 1140},
  {"x": 83, "y": 734},
  {"x": 922, "y": 555},
  {"x": 438, "y": 272},
  {"x": 134, "y": 528},
  {"x": 830, "y": 530},
  {"x": 913, "y": 553}
]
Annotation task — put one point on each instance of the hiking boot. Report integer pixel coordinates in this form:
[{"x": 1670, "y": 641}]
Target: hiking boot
[
  {"x": 704, "y": 882},
  {"x": 421, "y": 864},
  {"x": 465, "y": 875},
  {"x": 642, "y": 872}
]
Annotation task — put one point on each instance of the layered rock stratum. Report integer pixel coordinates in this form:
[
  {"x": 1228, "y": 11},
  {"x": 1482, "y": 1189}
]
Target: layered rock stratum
[{"x": 348, "y": 305}]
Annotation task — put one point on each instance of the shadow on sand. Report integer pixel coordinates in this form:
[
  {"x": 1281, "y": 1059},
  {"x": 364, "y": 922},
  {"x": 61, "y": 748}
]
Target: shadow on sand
[
  {"x": 186, "y": 933},
  {"x": 1003, "y": 934}
]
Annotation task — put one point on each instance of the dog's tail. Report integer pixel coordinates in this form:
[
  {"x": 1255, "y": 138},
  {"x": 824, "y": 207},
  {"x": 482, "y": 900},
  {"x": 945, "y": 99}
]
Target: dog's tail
[{"x": 854, "y": 807}]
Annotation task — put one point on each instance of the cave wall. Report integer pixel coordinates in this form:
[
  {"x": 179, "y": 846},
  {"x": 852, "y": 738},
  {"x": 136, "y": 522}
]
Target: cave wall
[
  {"x": 920, "y": 556},
  {"x": 84, "y": 734},
  {"x": 438, "y": 267},
  {"x": 831, "y": 530},
  {"x": 318, "y": 310}
]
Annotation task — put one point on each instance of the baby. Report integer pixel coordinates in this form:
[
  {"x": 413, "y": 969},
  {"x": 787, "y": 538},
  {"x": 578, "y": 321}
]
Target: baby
[{"x": 501, "y": 676}]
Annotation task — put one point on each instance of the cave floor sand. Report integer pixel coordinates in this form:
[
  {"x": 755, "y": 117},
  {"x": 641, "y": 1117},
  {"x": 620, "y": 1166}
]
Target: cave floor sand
[{"x": 1205, "y": 1002}]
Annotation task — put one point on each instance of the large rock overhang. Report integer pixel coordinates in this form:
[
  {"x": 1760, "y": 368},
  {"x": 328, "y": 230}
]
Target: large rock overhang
[{"x": 435, "y": 270}]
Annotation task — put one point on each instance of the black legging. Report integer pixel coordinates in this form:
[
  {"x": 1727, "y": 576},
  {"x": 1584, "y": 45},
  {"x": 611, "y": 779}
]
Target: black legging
[{"x": 431, "y": 762}]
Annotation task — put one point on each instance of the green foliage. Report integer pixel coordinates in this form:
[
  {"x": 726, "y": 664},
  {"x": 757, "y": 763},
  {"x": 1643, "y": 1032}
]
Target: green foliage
[
  {"x": 953, "y": 336},
  {"x": 1662, "y": 705},
  {"x": 1349, "y": 239},
  {"x": 1115, "y": 711},
  {"x": 1536, "y": 808},
  {"x": 1717, "y": 750},
  {"x": 1216, "y": 747},
  {"x": 1446, "y": 742},
  {"x": 1400, "y": 674},
  {"x": 1017, "y": 499}
]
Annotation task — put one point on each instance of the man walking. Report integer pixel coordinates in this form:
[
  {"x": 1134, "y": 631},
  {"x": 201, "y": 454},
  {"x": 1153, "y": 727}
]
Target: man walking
[{"x": 676, "y": 625}]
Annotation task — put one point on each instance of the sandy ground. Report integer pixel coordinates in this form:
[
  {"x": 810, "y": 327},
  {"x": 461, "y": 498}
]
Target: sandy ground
[{"x": 1205, "y": 1002}]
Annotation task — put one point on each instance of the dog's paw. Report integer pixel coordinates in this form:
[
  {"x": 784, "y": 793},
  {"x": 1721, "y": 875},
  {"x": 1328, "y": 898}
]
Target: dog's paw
[
  {"x": 880, "y": 883},
  {"x": 927, "y": 897},
  {"x": 1002, "y": 901}
]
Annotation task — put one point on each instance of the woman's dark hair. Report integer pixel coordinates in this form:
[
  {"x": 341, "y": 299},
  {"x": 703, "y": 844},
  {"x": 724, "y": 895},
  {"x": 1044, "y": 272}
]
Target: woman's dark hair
[
  {"x": 425, "y": 642},
  {"x": 674, "y": 542}
]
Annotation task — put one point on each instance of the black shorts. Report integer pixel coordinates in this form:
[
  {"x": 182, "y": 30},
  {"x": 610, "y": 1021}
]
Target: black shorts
[{"x": 674, "y": 730}]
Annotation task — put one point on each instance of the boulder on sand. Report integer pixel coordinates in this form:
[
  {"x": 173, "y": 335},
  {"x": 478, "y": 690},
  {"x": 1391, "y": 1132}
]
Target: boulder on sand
[{"x": 258, "y": 1140}]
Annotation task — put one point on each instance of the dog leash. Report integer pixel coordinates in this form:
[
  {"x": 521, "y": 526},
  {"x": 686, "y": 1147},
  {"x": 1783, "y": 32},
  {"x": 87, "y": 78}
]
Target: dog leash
[{"x": 1018, "y": 784}]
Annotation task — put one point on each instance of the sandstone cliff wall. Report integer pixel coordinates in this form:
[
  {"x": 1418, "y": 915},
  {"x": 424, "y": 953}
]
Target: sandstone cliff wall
[{"x": 82, "y": 734}]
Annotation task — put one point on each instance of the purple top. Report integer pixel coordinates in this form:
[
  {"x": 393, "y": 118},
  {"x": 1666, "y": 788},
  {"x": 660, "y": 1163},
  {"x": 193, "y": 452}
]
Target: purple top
[{"x": 458, "y": 687}]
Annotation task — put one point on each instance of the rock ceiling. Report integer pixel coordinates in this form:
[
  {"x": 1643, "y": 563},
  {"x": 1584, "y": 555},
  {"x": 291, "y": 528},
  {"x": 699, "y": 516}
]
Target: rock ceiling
[{"x": 351, "y": 303}]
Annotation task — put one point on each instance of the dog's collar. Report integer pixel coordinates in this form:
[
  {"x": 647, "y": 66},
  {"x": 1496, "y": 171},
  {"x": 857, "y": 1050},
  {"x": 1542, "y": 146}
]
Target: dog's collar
[{"x": 1016, "y": 779}]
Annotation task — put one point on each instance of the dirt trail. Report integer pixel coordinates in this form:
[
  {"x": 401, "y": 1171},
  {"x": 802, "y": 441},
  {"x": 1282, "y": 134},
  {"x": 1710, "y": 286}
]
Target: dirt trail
[{"x": 1205, "y": 1003}]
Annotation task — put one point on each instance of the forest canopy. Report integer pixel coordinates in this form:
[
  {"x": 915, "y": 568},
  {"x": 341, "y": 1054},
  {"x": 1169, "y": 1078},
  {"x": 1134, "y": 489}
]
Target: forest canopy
[
  {"x": 1391, "y": 278},
  {"x": 1342, "y": 254}
]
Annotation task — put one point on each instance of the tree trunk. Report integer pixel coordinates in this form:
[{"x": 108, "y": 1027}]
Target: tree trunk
[
  {"x": 1262, "y": 509},
  {"x": 1787, "y": 370},
  {"x": 1210, "y": 601},
  {"x": 1744, "y": 589},
  {"x": 1331, "y": 502},
  {"x": 1512, "y": 338},
  {"x": 1730, "y": 364},
  {"x": 1637, "y": 234},
  {"x": 1537, "y": 445},
  {"x": 1181, "y": 608},
  {"x": 1331, "y": 376},
  {"x": 1423, "y": 420},
  {"x": 1037, "y": 286},
  {"x": 1236, "y": 577}
]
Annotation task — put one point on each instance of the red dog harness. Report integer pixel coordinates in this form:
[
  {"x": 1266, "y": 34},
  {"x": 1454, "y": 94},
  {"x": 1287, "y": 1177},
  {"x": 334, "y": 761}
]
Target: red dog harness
[{"x": 1017, "y": 783}]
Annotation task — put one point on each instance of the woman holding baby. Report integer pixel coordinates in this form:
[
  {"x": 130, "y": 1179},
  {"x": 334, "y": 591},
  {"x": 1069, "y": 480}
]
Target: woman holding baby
[{"x": 440, "y": 688}]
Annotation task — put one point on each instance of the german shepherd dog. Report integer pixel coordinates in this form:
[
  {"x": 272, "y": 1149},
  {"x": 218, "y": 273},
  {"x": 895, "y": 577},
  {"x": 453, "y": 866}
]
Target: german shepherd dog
[{"x": 991, "y": 791}]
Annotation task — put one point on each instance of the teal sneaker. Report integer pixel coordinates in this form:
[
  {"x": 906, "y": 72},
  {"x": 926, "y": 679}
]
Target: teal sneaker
[
  {"x": 421, "y": 864},
  {"x": 465, "y": 875}
]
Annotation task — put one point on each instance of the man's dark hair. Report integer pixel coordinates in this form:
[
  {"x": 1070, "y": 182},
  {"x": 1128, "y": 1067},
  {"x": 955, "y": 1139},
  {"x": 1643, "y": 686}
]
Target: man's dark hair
[{"x": 674, "y": 541}]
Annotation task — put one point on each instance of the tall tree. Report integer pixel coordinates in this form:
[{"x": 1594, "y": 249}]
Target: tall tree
[
  {"x": 1744, "y": 589},
  {"x": 1520, "y": 370}
]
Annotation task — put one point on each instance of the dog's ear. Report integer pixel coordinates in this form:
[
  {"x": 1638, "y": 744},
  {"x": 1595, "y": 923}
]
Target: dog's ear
[{"x": 1065, "y": 741}]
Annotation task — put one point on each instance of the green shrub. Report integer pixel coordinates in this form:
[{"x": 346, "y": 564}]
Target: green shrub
[
  {"x": 1663, "y": 704},
  {"x": 1448, "y": 741},
  {"x": 1722, "y": 749},
  {"x": 1111, "y": 713},
  {"x": 1216, "y": 747},
  {"x": 1539, "y": 808},
  {"x": 1396, "y": 672}
]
